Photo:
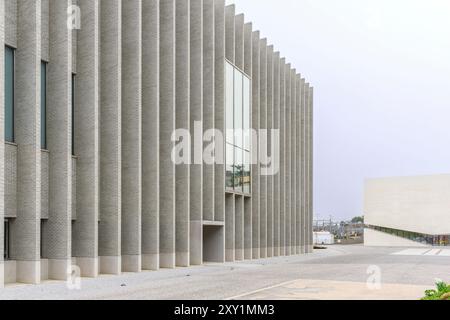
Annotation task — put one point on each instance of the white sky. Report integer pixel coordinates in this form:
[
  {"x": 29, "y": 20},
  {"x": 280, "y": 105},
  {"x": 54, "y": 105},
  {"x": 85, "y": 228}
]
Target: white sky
[{"x": 381, "y": 73}]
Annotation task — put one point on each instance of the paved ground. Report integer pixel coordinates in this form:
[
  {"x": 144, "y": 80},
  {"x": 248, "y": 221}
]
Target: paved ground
[{"x": 340, "y": 272}]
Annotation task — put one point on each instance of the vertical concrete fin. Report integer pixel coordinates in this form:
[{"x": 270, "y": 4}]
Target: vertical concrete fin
[
  {"x": 167, "y": 127},
  {"x": 247, "y": 67},
  {"x": 57, "y": 238},
  {"x": 287, "y": 175},
  {"x": 219, "y": 115},
  {"x": 196, "y": 128},
  {"x": 85, "y": 228},
  {"x": 182, "y": 100},
  {"x": 263, "y": 147},
  {"x": 276, "y": 178},
  {"x": 311, "y": 167},
  {"x": 25, "y": 231},
  {"x": 110, "y": 137},
  {"x": 302, "y": 164},
  {"x": 2, "y": 139},
  {"x": 282, "y": 157},
  {"x": 239, "y": 228},
  {"x": 298, "y": 162},
  {"x": 293, "y": 162},
  {"x": 239, "y": 41},
  {"x": 255, "y": 148},
  {"x": 208, "y": 102},
  {"x": 230, "y": 44},
  {"x": 219, "y": 109},
  {"x": 270, "y": 145},
  {"x": 230, "y": 245},
  {"x": 131, "y": 135},
  {"x": 150, "y": 135}
]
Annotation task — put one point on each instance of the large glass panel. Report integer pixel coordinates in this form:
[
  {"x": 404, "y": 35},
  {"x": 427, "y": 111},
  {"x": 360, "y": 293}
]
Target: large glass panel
[
  {"x": 6, "y": 240},
  {"x": 246, "y": 175},
  {"x": 238, "y": 138},
  {"x": 238, "y": 102},
  {"x": 73, "y": 114},
  {"x": 246, "y": 113},
  {"x": 229, "y": 175},
  {"x": 229, "y": 103},
  {"x": 43, "y": 105},
  {"x": 9, "y": 94},
  {"x": 238, "y": 169}
]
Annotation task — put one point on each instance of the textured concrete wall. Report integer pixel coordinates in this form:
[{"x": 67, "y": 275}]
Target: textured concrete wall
[
  {"x": 167, "y": 126},
  {"x": 374, "y": 238},
  {"x": 208, "y": 102},
  {"x": 255, "y": 125},
  {"x": 2, "y": 137},
  {"x": 10, "y": 22},
  {"x": 10, "y": 176},
  {"x": 144, "y": 69},
  {"x": 150, "y": 135},
  {"x": 131, "y": 135},
  {"x": 183, "y": 121},
  {"x": 418, "y": 204},
  {"x": 263, "y": 147},
  {"x": 87, "y": 113},
  {"x": 276, "y": 178},
  {"x": 25, "y": 243},
  {"x": 196, "y": 129},
  {"x": 270, "y": 126},
  {"x": 57, "y": 240},
  {"x": 110, "y": 136}
]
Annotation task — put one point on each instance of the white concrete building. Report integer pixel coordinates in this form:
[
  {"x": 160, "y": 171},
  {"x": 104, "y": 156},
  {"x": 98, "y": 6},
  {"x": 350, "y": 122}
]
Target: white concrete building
[
  {"x": 407, "y": 211},
  {"x": 86, "y": 122}
]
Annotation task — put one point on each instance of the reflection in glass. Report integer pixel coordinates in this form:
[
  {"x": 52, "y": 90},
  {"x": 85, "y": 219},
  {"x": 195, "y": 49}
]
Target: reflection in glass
[
  {"x": 246, "y": 113},
  {"x": 238, "y": 111},
  {"x": 229, "y": 175},
  {"x": 246, "y": 174},
  {"x": 229, "y": 103},
  {"x": 43, "y": 105},
  {"x": 238, "y": 169},
  {"x": 9, "y": 94},
  {"x": 238, "y": 130}
]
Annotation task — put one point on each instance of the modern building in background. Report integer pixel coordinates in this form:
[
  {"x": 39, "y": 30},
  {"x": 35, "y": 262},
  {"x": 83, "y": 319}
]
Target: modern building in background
[
  {"x": 86, "y": 124},
  {"x": 407, "y": 211}
]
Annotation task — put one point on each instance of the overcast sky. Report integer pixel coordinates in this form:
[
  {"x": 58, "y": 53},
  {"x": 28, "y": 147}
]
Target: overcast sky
[{"x": 381, "y": 73}]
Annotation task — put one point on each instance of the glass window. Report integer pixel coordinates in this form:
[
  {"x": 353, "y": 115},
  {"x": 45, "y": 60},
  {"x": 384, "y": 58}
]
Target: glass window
[
  {"x": 73, "y": 114},
  {"x": 9, "y": 94},
  {"x": 230, "y": 104},
  {"x": 238, "y": 169},
  {"x": 238, "y": 111},
  {"x": 238, "y": 108},
  {"x": 246, "y": 176},
  {"x": 6, "y": 240},
  {"x": 43, "y": 105},
  {"x": 229, "y": 167},
  {"x": 246, "y": 113}
]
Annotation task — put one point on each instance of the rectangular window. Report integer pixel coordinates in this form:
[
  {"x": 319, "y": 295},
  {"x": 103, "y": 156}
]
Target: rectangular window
[
  {"x": 229, "y": 166},
  {"x": 238, "y": 109},
  {"x": 6, "y": 240},
  {"x": 9, "y": 94},
  {"x": 229, "y": 104},
  {"x": 246, "y": 114},
  {"x": 238, "y": 137},
  {"x": 238, "y": 169},
  {"x": 43, "y": 105},
  {"x": 73, "y": 114}
]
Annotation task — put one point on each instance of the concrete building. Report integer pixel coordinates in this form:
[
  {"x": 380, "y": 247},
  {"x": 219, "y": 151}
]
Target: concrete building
[
  {"x": 91, "y": 94},
  {"x": 407, "y": 211}
]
